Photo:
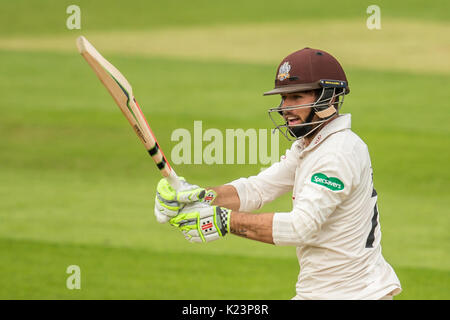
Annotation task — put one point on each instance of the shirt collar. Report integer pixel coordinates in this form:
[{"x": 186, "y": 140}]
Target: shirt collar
[{"x": 342, "y": 122}]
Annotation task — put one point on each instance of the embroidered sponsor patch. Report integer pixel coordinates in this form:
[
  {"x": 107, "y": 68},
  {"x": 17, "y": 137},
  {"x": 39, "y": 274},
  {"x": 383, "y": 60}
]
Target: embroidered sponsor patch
[{"x": 332, "y": 183}]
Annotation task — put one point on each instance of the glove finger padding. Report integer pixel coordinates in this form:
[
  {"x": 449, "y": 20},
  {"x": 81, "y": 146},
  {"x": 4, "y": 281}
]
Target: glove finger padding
[
  {"x": 192, "y": 195},
  {"x": 198, "y": 239},
  {"x": 202, "y": 223},
  {"x": 164, "y": 210},
  {"x": 185, "y": 194},
  {"x": 161, "y": 217},
  {"x": 169, "y": 202}
]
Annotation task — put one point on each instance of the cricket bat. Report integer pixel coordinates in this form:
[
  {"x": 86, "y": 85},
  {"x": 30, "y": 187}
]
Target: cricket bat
[{"x": 122, "y": 93}]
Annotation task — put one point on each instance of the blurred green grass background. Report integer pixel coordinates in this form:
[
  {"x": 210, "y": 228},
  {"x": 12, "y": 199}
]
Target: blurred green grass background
[{"x": 77, "y": 187}]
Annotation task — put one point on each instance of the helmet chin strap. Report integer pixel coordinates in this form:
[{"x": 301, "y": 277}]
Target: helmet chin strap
[{"x": 324, "y": 112}]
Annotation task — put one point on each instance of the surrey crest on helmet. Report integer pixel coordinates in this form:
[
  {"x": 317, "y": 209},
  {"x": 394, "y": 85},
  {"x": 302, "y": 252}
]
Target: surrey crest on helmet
[{"x": 283, "y": 73}]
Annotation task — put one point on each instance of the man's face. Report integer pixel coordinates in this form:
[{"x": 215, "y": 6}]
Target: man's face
[{"x": 297, "y": 116}]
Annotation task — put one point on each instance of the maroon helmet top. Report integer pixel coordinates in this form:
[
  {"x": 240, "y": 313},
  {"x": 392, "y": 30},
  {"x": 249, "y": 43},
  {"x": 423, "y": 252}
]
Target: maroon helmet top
[{"x": 304, "y": 69}]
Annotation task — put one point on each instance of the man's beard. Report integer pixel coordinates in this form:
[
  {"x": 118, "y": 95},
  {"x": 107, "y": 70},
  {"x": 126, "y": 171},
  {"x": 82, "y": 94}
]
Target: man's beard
[{"x": 300, "y": 131}]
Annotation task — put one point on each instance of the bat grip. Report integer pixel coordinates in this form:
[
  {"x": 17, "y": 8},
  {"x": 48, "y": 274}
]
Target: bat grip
[{"x": 174, "y": 180}]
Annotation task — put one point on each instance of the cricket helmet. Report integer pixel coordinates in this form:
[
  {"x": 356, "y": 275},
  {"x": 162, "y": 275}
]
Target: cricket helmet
[{"x": 305, "y": 70}]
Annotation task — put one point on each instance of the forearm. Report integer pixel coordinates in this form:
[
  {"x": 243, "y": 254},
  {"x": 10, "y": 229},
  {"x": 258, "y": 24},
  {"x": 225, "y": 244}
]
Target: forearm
[
  {"x": 227, "y": 197},
  {"x": 252, "y": 226}
]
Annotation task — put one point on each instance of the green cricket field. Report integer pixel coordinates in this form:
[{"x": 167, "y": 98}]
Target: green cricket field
[{"x": 77, "y": 187}]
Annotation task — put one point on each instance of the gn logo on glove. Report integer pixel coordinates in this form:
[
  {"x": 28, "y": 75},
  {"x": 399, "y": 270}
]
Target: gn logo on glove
[
  {"x": 207, "y": 226},
  {"x": 332, "y": 183}
]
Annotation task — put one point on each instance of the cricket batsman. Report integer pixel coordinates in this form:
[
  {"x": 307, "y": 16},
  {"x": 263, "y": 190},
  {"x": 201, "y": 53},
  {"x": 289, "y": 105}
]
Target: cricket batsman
[{"x": 334, "y": 221}]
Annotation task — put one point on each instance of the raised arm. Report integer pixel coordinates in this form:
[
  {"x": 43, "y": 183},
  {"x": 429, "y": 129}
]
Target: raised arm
[{"x": 203, "y": 216}]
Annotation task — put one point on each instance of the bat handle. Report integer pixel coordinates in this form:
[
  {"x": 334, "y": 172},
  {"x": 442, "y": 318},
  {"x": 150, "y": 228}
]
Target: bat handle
[{"x": 174, "y": 180}]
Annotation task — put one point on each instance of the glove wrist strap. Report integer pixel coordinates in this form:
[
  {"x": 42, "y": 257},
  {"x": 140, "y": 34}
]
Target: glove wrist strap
[{"x": 223, "y": 220}]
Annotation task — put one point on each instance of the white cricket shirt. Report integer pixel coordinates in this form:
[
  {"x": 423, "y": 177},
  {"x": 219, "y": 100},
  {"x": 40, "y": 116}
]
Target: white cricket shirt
[{"x": 334, "y": 222}]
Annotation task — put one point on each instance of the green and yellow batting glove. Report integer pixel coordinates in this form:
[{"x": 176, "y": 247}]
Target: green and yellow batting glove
[
  {"x": 168, "y": 201},
  {"x": 201, "y": 222}
]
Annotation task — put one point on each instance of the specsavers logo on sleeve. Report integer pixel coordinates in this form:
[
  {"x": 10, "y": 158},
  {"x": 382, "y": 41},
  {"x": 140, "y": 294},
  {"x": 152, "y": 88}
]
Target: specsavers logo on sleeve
[{"x": 331, "y": 183}]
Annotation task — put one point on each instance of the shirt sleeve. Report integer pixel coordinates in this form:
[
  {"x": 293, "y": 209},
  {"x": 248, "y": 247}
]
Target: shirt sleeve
[
  {"x": 327, "y": 185},
  {"x": 269, "y": 184}
]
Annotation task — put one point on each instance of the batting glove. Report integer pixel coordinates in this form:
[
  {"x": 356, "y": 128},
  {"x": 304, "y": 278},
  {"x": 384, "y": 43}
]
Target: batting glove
[
  {"x": 201, "y": 222},
  {"x": 168, "y": 201}
]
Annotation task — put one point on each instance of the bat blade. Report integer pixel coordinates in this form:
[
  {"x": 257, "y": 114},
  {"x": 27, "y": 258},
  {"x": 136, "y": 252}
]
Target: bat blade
[{"x": 122, "y": 93}]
